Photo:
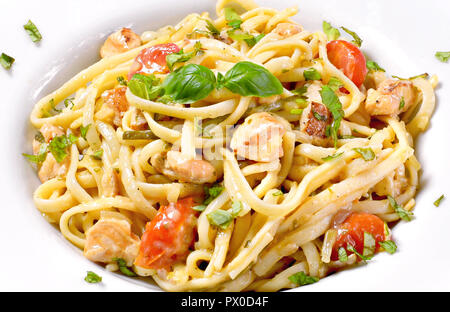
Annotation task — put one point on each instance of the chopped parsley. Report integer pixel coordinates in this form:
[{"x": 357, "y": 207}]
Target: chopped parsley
[
  {"x": 6, "y": 61},
  {"x": 181, "y": 57},
  {"x": 342, "y": 254},
  {"x": 302, "y": 279},
  {"x": 84, "y": 130},
  {"x": 363, "y": 257},
  {"x": 40, "y": 157},
  {"x": 122, "y": 81},
  {"x": 92, "y": 278},
  {"x": 369, "y": 245},
  {"x": 402, "y": 103},
  {"x": 199, "y": 208},
  {"x": 389, "y": 246},
  {"x": 331, "y": 101},
  {"x": 212, "y": 193},
  {"x": 233, "y": 19},
  {"x": 356, "y": 39},
  {"x": 58, "y": 146},
  {"x": 98, "y": 154},
  {"x": 437, "y": 202},
  {"x": 335, "y": 84},
  {"x": 366, "y": 153},
  {"x": 373, "y": 66},
  {"x": 123, "y": 267},
  {"x": 32, "y": 31},
  {"x": 277, "y": 193},
  {"x": 331, "y": 32},
  {"x": 296, "y": 111},
  {"x": 443, "y": 56},
  {"x": 223, "y": 218},
  {"x": 312, "y": 74},
  {"x": 331, "y": 157},
  {"x": 402, "y": 213}
]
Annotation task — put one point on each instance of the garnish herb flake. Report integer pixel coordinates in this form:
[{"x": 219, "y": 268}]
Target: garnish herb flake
[
  {"x": 58, "y": 146},
  {"x": 443, "y": 56},
  {"x": 84, "y": 130},
  {"x": 6, "y": 61},
  {"x": 312, "y": 74},
  {"x": 233, "y": 19},
  {"x": 92, "y": 278},
  {"x": 389, "y": 246},
  {"x": 146, "y": 87},
  {"x": 331, "y": 101},
  {"x": 302, "y": 279},
  {"x": 402, "y": 213},
  {"x": 437, "y": 202},
  {"x": 373, "y": 66},
  {"x": 366, "y": 153},
  {"x": 32, "y": 31},
  {"x": 342, "y": 254},
  {"x": 331, "y": 157},
  {"x": 122, "y": 81},
  {"x": 181, "y": 56},
  {"x": 356, "y": 39},
  {"x": 369, "y": 245},
  {"x": 331, "y": 32},
  {"x": 123, "y": 267}
]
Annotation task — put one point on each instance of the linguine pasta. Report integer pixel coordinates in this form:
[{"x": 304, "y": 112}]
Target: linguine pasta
[{"x": 270, "y": 174}]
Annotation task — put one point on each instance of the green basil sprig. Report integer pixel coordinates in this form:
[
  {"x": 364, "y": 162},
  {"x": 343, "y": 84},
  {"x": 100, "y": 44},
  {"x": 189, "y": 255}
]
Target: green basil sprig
[
  {"x": 249, "y": 79},
  {"x": 146, "y": 87}
]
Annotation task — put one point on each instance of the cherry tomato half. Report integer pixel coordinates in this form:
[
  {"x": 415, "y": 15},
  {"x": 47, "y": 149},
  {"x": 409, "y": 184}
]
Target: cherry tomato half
[
  {"x": 168, "y": 236},
  {"x": 349, "y": 59},
  {"x": 153, "y": 59},
  {"x": 351, "y": 231}
]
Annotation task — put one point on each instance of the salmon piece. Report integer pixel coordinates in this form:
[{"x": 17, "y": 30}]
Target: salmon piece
[
  {"x": 116, "y": 100},
  {"x": 316, "y": 120},
  {"x": 392, "y": 97},
  {"x": 259, "y": 138},
  {"x": 286, "y": 30},
  {"x": 120, "y": 41},
  {"x": 111, "y": 238}
]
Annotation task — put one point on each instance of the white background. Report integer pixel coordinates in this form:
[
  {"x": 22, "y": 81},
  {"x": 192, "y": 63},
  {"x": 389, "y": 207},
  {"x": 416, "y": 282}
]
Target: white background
[{"x": 402, "y": 36}]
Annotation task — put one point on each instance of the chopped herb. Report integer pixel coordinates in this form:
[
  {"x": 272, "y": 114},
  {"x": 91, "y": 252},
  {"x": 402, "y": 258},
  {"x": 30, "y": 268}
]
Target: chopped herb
[
  {"x": 369, "y": 245},
  {"x": 424, "y": 75},
  {"x": 68, "y": 102},
  {"x": 296, "y": 111},
  {"x": 442, "y": 56},
  {"x": 331, "y": 157},
  {"x": 277, "y": 193},
  {"x": 52, "y": 105},
  {"x": 366, "y": 153},
  {"x": 181, "y": 57},
  {"x": 212, "y": 29},
  {"x": 123, "y": 267},
  {"x": 146, "y": 87},
  {"x": 302, "y": 101},
  {"x": 122, "y": 81},
  {"x": 331, "y": 32},
  {"x": 32, "y": 31},
  {"x": 402, "y": 103},
  {"x": 39, "y": 137},
  {"x": 300, "y": 91},
  {"x": 92, "y": 278},
  {"x": 438, "y": 201},
  {"x": 301, "y": 279},
  {"x": 254, "y": 40},
  {"x": 139, "y": 135},
  {"x": 212, "y": 192},
  {"x": 199, "y": 208},
  {"x": 331, "y": 101},
  {"x": 342, "y": 254},
  {"x": 357, "y": 40},
  {"x": 6, "y": 61},
  {"x": 389, "y": 246},
  {"x": 233, "y": 19},
  {"x": 352, "y": 249},
  {"x": 98, "y": 154},
  {"x": 311, "y": 74},
  {"x": 373, "y": 66},
  {"x": 84, "y": 130},
  {"x": 318, "y": 116},
  {"x": 58, "y": 146},
  {"x": 40, "y": 157},
  {"x": 335, "y": 84},
  {"x": 220, "y": 218},
  {"x": 402, "y": 213},
  {"x": 236, "y": 207}
]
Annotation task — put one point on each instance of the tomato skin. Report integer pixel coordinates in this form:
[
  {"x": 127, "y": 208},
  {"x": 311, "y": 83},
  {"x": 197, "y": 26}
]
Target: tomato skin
[
  {"x": 349, "y": 59},
  {"x": 153, "y": 59},
  {"x": 351, "y": 231},
  {"x": 168, "y": 236}
]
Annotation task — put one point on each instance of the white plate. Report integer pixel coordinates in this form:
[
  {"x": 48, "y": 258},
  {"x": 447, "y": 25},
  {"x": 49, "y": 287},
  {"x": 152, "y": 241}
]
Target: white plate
[{"x": 402, "y": 36}]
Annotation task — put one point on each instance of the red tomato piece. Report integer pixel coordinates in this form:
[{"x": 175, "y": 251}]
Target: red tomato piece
[
  {"x": 168, "y": 236},
  {"x": 351, "y": 231},
  {"x": 349, "y": 59},
  {"x": 153, "y": 59}
]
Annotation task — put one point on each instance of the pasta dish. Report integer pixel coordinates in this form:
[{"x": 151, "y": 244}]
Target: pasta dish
[{"x": 242, "y": 153}]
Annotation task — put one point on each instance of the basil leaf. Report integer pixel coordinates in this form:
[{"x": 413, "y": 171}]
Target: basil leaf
[
  {"x": 92, "y": 278},
  {"x": 181, "y": 57},
  {"x": 6, "y": 61},
  {"x": 233, "y": 19},
  {"x": 146, "y": 87},
  {"x": 220, "y": 218},
  {"x": 438, "y": 201},
  {"x": 357, "y": 40},
  {"x": 249, "y": 79},
  {"x": 302, "y": 279},
  {"x": 189, "y": 84},
  {"x": 212, "y": 29},
  {"x": 32, "y": 31},
  {"x": 39, "y": 137},
  {"x": 312, "y": 74},
  {"x": 58, "y": 146},
  {"x": 402, "y": 213},
  {"x": 369, "y": 245},
  {"x": 389, "y": 246},
  {"x": 331, "y": 101},
  {"x": 342, "y": 254},
  {"x": 122, "y": 81},
  {"x": 363, "y": 257},
  {"x": 123, "y": 267},
  {"x": 366, "y": 153},
  {"x": 251, "y": 42},
  {"x": 139, "y": 135},
  {"x": 84, "y": 130},
  {"x": 239, "y": 35},
  {"x": 331, "y": 32},
  {"x": 331, "y": 157},
  {"x": 443, "y": 56},
  {"x": 373, "y": 66}
]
